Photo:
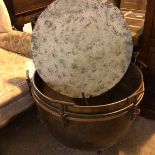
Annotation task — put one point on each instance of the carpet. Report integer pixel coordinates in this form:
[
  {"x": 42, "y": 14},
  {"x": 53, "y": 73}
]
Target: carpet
[{"x": 27, "y": 135}]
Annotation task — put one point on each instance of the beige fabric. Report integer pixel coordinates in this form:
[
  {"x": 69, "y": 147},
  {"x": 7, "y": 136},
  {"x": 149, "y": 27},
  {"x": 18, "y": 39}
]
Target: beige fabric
[
  {"x": 14, "y": 92},
  {"x": 14, "y": 108},
  {"x": 12, "y": 75},
  {"x": 16, "y": 41},
  {"x": 5, "y": 23}
]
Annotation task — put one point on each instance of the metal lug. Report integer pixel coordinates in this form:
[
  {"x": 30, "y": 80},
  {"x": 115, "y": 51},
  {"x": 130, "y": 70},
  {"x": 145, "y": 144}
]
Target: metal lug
[{"x": 28, "y": 81}]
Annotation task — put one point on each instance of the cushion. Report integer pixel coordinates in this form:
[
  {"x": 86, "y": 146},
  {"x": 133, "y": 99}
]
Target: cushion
[
  {"x": 14, "y": 92},
  {"x": 5, "y": 23},
  {"x": 16, "y": 41}
]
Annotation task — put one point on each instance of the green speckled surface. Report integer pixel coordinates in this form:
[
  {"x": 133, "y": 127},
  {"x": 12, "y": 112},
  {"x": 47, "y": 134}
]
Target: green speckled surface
[{"x": 81, "y": 46}]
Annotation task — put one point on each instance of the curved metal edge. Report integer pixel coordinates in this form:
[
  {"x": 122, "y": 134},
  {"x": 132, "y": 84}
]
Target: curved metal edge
[
  {"x": 72, "y": 104},
  {"x": 84, "y": 117}
]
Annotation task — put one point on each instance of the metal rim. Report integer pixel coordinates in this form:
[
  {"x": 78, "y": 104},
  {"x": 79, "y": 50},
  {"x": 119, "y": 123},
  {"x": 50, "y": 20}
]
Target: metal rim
[
  {"x": 86, "y": 117},
  {"x": 85, "y": 107}
]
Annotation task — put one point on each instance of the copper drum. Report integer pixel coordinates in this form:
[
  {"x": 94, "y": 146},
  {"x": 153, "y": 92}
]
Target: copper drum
[{"x": 95, "y": 122}]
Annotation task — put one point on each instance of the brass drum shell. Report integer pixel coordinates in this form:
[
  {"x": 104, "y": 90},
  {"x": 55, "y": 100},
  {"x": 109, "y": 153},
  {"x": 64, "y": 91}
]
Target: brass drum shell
[{"x": 91, "y": 126}]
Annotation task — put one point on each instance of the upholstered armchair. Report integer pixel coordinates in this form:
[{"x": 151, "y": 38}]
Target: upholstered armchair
[{"x": 15, "y": 59}]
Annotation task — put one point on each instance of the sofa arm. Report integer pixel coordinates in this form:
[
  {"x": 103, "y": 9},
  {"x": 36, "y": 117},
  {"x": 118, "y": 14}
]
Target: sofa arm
[{"x": 16, "y": 41}]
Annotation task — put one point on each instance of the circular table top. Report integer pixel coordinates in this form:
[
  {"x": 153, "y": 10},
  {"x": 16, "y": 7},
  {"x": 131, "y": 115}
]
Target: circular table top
[{"x": 81, "y": 46}]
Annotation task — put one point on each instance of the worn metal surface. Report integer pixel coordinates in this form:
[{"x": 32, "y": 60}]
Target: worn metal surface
[{"x": 101, "y": 123}]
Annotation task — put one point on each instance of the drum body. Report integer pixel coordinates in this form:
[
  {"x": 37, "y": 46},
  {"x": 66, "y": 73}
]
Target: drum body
[{"x": 93, "y": 123}]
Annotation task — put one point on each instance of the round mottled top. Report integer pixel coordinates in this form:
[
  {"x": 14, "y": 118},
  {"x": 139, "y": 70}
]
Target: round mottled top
[{"x": 81, "y": 46}]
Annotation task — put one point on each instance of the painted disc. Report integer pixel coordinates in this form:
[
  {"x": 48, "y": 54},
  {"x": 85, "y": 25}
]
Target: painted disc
[{"x": 81, "y": 46}]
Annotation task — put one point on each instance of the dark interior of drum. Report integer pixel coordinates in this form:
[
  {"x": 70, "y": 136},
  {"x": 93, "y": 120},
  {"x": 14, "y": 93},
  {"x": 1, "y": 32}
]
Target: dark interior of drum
[{"x": 126, "y": 87}]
